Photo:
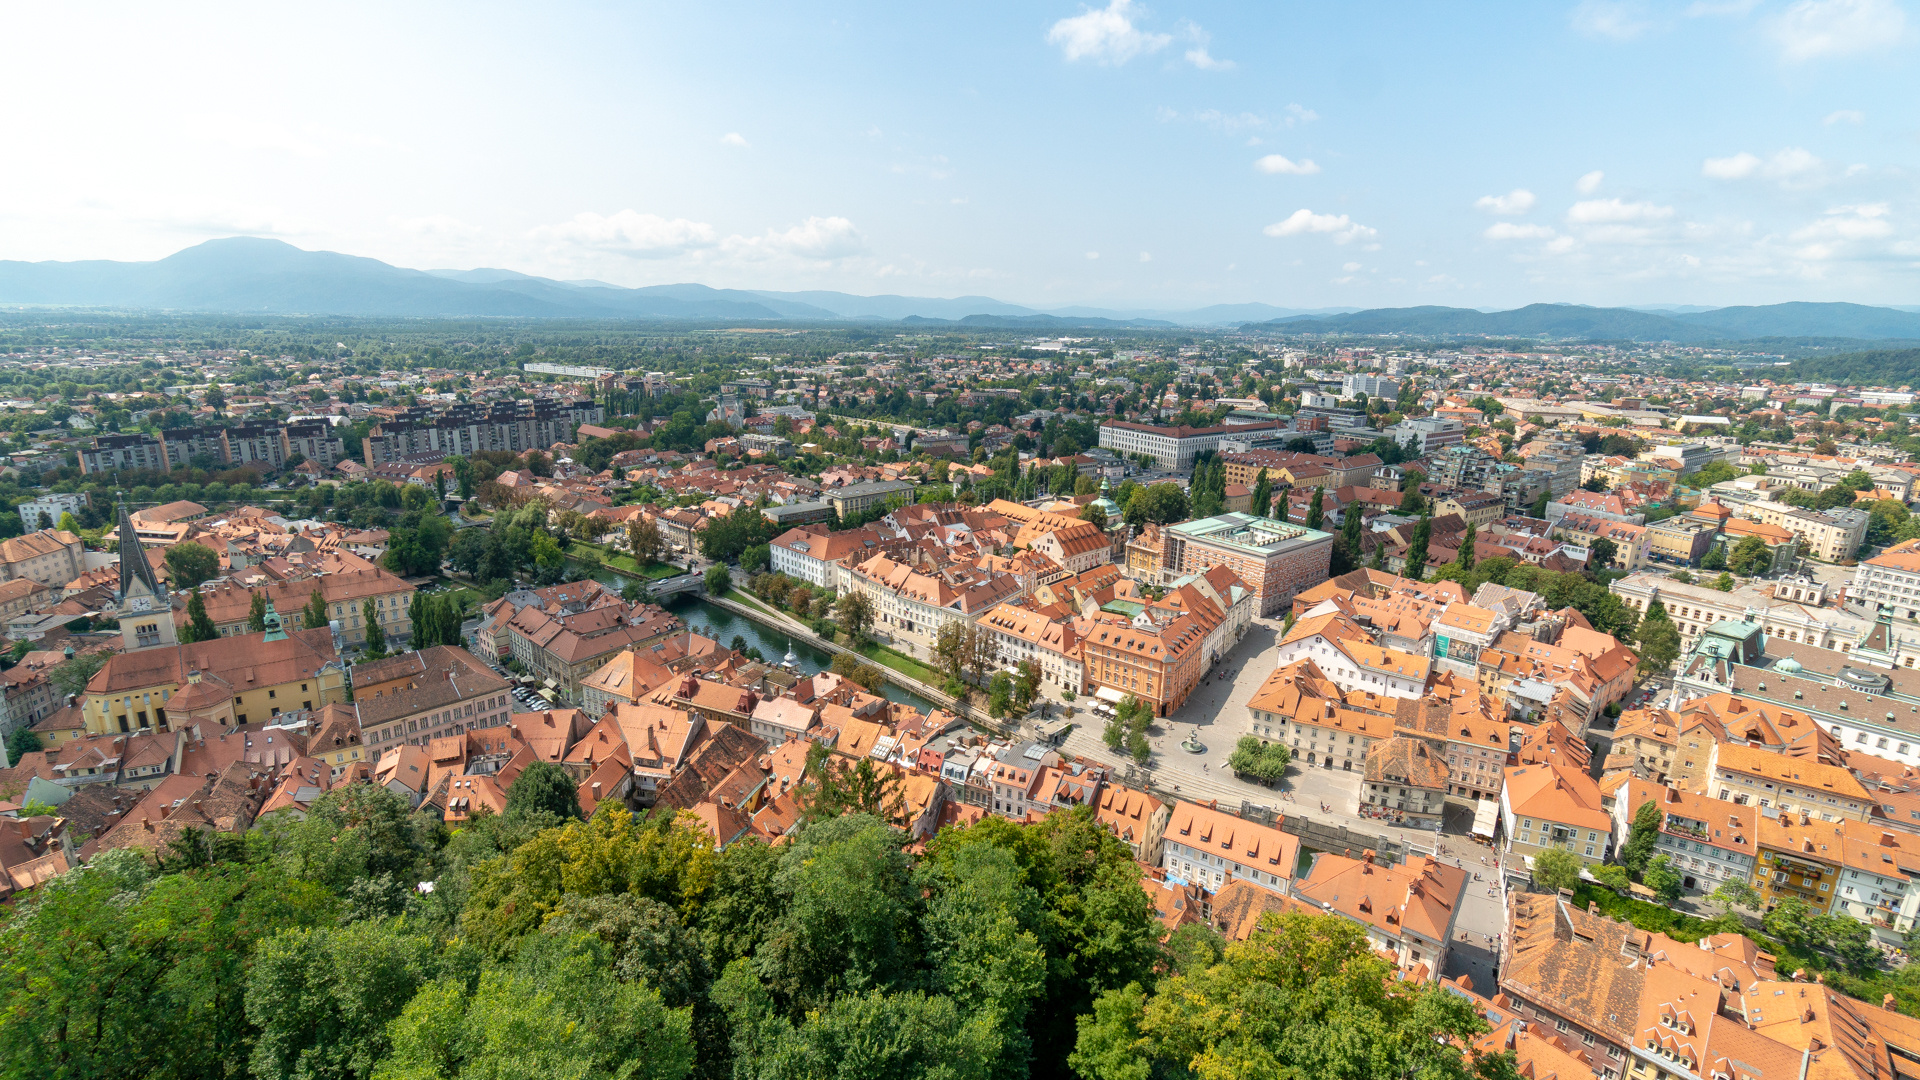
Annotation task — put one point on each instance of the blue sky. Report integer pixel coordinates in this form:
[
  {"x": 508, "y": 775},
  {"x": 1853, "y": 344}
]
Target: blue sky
[{"x": 1164, "y": 155}]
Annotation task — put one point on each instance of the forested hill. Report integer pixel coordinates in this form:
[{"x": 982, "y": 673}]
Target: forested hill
[
  {"x": 1578, "y": 322},
  {"x": 624, "y": 947},
  {"x": 1873, "y": 367}
]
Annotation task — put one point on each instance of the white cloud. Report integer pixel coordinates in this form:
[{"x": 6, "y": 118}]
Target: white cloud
[
  {"x": 734, "y": 138},
  {"x": 822, "y": 238},
  {"x": 1791, "y": 163},
  {"x": 1616, "y": 212},
  {"x": 1738, "y": 167},
  {"x": 1792, "y": 166},
  {"x": 1198, "y": 55},
  {"x": 1146, "y": 256},
  {"x": 1350, "y": 267},
  {"x": 1517, "y": 201},
  {"x": 1093, "y": 254},
  {"x": 1843, "y": 224},
  {"x": 1105, "y": 35},
  {"x": 1701, "y": 8},
  {"x": 1613, "y": 20},
  {"x": 1342, "y": 228},
  {"x": 631, "y": 233},
  {"x": 1274, "y": 165},
  {"x": 1512, "y": 230},
  {"x": 1811, "y": 29},
  {"x": 1301, "y": 113},
  {"x": 1845, "y": 116},
  {"x": 1589, "y": 183}
]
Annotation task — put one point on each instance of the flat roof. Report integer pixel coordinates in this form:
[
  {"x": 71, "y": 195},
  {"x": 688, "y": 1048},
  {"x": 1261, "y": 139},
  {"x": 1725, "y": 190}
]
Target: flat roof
[{"x": 1263, "y": 535}]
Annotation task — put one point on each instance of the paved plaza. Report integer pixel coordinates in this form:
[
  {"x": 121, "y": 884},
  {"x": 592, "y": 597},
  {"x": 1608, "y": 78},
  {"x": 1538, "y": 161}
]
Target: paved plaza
[{"x": 1216, "y": 714}]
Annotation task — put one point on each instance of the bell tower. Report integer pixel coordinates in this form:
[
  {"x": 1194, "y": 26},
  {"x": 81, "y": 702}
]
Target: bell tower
[{"x": 145, "y": 608}]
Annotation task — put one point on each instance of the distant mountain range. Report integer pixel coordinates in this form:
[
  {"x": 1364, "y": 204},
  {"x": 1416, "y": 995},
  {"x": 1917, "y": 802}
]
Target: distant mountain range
[{"x": 250, "y": 275}]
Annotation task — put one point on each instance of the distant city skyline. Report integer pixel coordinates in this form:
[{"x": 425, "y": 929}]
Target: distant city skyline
[{"x": 1121, "y": 155}]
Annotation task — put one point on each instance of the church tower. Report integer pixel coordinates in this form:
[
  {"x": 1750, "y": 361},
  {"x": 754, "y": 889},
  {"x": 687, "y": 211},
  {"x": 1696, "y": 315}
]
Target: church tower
[{"x": 146, "y": 611}]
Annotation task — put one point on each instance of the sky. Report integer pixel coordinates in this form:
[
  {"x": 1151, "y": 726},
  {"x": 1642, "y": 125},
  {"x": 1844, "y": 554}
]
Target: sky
[{"x": 1164, "y": 155}]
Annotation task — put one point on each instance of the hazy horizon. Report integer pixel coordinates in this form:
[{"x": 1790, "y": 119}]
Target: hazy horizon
[{"x": 1120, "y": 155}]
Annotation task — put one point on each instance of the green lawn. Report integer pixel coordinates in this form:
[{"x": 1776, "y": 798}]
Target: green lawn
[
  {"x": 900, "y": 662},
  {"x": 608, "y": 557},
  {"x": 739, "y": 596}
]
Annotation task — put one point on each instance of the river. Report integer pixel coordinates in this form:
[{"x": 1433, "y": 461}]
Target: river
[{"x": 711, "y": 620}]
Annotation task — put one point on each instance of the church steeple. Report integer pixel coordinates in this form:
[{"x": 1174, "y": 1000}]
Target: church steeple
[
  {"x": 135, "y": 571},
  {"x": 145, "y": 608}
]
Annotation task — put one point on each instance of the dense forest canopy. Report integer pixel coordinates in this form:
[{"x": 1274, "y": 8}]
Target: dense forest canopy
[{"x": 369, "y": 941}]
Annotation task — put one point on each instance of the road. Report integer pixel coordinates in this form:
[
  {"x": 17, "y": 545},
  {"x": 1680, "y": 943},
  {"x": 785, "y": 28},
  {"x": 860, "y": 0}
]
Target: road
[{"x": 1217, "y": 713}]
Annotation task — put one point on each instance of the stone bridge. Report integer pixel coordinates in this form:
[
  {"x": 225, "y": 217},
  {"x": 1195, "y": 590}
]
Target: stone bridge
[{"x": 673, "y": 586}]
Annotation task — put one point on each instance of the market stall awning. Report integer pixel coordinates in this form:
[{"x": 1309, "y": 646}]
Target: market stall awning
[
  {"x": 1108, "y": 693},
  {"x": 1485, "y": 816}
]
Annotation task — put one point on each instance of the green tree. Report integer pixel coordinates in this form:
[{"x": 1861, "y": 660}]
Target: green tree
[
  {"x": 1417, "y": 549},
  {"x": 23, "y": 740},
  {"x": 322, "y": 998},
  {"x": 1663, "y": 879},
  {"x": 257, "y": 614},
  {"x": 199, "y": 627},
  {"x": 1316, "y": 513},
  {"x": 190, "y": 563},
  {"x": 376, "y": 637},
  {"x": 1601, "y": 553},
  {"x": 1263, "y": 761},
  {"x": 543, "y": 786},
  {"x": 856, "y": 615},
  {"x": 315, "y": 613},
  {"x": 558, "y": 1012},
  {"x": 1751, "y": 557},
  {"x": 1612, "y": 876},
  {"x": 1792, "y": 923},
  {"x": 719, "y": 579},
  {"x": 1658, "y": 638},
  {"x": 836, "y": 787},
  {"x": 1555, "y": 869},
  {"x": 67, "y": 523},
  {"x": 1642, "y": 835},
  {"x": 1724, "y": 582},
  {"x": 1715, "y": 558},
  {"x": 1464, "y": 559},
  {"x": 1304, "y": 998},
  {"x": 1735, "y": 892},
  {"x": 1262, "y": 494},
  {"x": 1540, "y": 504},
  {"x": 1000, "y": 695},
  {"x": 72, "y": 676}
]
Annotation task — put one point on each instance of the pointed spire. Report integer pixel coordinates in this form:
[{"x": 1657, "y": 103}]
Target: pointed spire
[{"x": 134, "y": 566}]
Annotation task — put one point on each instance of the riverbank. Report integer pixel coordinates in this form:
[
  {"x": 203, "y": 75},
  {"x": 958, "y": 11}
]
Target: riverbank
[{"x": 802, "y": 632}]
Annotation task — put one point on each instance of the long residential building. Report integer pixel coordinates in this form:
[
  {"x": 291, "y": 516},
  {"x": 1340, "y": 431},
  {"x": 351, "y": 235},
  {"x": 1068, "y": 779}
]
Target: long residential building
[
  {"x": 1890, "y": 581},
  {"x": 416, "y": 697},
  {"x": 1696, "y": 608},
  {"x": 470, "y": 427},
  {"x": 270, "y": 445},
  {"x": 910, "y": 605},
  {"x": 220, "y": 682},
  {"x": 1172, "y": 448},
  {"x": 51, "y": 557},
  {"x": 345, "y": 596}
]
